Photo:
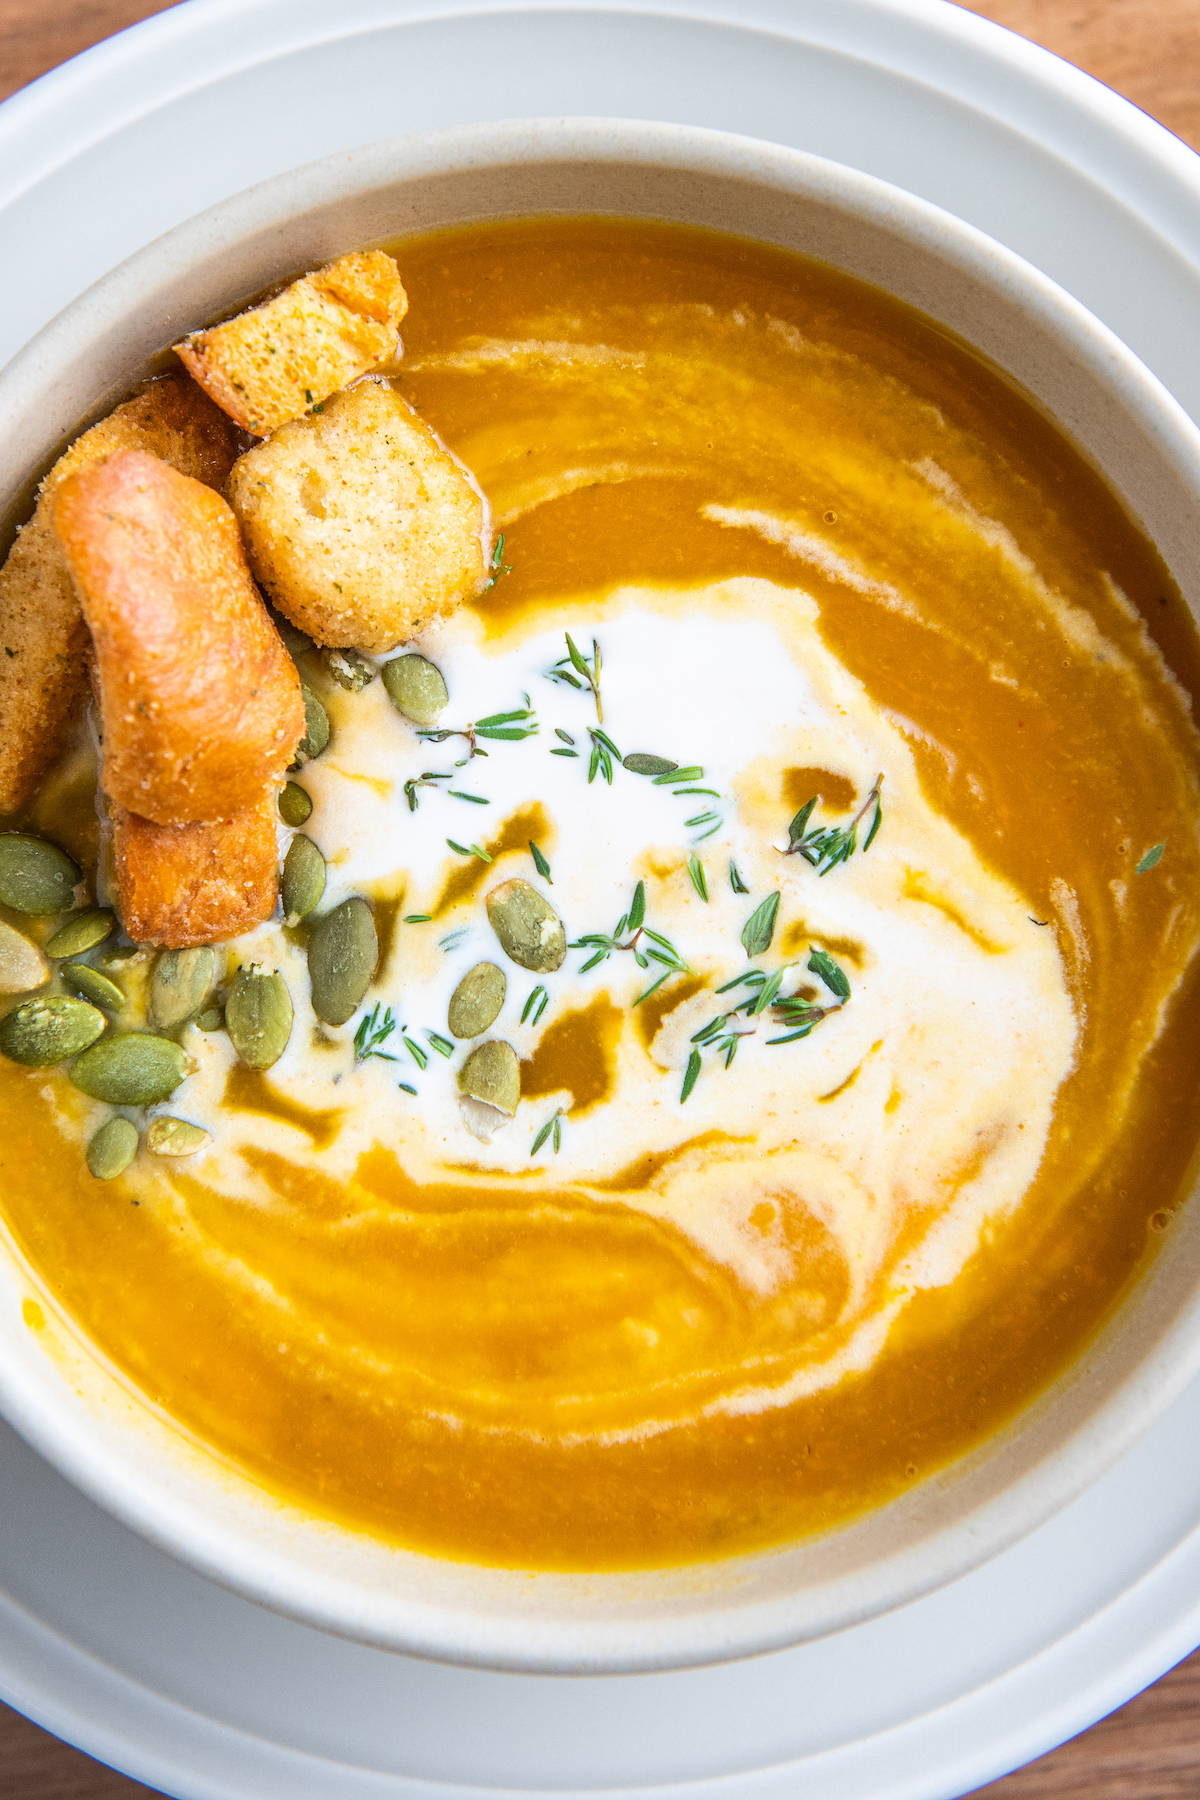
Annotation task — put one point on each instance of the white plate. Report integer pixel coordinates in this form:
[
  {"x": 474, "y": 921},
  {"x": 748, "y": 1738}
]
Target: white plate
[{"x": 145, "y": 1664}]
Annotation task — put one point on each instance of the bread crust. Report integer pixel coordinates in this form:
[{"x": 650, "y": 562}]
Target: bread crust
[
  {"x": 200, "y": 704},
  {"x": 358, "y": 522},
  {"x": 181, "y": 885},
  {"x": 44, "y": 643},
  {"x": 276, "y": 361}
]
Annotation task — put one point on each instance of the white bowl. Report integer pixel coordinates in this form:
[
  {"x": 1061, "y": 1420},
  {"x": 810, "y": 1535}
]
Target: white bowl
[{"x": 88, "y": 1420}]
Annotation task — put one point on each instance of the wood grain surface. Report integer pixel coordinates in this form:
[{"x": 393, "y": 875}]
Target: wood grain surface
[{"x": 1148, "y": 50}]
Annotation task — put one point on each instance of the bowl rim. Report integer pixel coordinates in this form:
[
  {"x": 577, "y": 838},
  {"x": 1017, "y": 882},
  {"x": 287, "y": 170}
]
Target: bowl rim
[{"x": 28, "y": 1389}]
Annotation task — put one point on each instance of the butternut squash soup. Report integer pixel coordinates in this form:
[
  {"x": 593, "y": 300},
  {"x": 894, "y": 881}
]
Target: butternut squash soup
[{"x": 599, "y": 908}]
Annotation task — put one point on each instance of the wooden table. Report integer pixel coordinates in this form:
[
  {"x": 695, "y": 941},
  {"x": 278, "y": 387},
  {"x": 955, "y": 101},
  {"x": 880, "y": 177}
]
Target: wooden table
[{"x": 1149, "y": 50}]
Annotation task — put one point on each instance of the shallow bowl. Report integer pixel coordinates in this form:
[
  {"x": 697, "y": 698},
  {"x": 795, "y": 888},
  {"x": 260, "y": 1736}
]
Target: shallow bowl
[{"x": 83, "y": 1415}]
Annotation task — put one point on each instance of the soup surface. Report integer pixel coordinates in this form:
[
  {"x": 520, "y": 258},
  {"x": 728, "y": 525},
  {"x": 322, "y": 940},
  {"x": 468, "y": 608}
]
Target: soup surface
[{"x": 730, "y": 1275}]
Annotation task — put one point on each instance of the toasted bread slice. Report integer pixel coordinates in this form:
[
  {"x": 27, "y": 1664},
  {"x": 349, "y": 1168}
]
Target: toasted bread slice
[
  {"x": 44, "y": 642},
  {"x": 359, "y": 524},
  {"x": 273, "y": 363},
  {"x": 200, "y": 704},
  {"x": 181, "y": 885}
]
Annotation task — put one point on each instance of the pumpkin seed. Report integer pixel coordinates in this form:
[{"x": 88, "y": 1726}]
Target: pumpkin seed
[
  {"x": 112, "y": 1149},
  {"x": 476, "y": 1001},
  {"x": 316, "y": 728},
  {"x": 415, "y": 688},
  {"x": 258, "y": 1016},
  {"x": 342, "y": 954},
  {"x": 492, "y": 1074},
  {"x": 22, "y": 965},
  {"x": 175, "y": 1137},
  {"x": 303, "y": 879},
  {"x": 295, "y": 806},
  {"x": 93, "y": 985},
  {"x": 180, "y": 985},
  {"x": 35, "y": 877},
  {"x": 211, "y": 1019},
  {"x": 48, "y": 1031},
  {"x": 527, "y": 925},
  {"x": 82, "y": 933},
  {"x": 132, "y": 1069},
  {"x": 349, "y": 669}
]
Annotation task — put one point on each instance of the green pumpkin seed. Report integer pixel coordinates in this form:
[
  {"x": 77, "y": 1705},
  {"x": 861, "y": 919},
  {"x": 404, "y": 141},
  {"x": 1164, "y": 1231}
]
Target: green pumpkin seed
[
  {"x": 132, "y": 1069},
  {"x": 93, "y": 985},
  {"x": 342, "y": 954},
  {"x": 303, "y": 879},
  {"x": 415, "y": 688},
  {"x": 180, "y": 986},
  {"x": 211, "y": 1019},
  {"x": 349, "y": 669},
  {"x": 258, "y": 1016},
  {"x": 82, "y": 933},
  {"x": 316, "y": 728},
  {"x": 295, "y": 806},
  {"x": 35, "y": 877},
  {"x": 112, "y": 1149},
  {"x": 48, "y": 1031},
  {"x": 527, "y": 925},
  {"x": 175, "y": 1137},
  {"x": 476, "y": 1001},
  {"x": 22, "y": 965},
  {"x": 492, "y": 1073}
]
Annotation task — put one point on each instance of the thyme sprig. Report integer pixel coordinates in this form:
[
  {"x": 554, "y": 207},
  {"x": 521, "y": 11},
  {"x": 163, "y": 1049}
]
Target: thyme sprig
[
  {"x": 795, "y": 1011},
  {"x": 603, "y": 753},
  {"x": 429, "y": 779},
  {"x": 506, "y": 727},
  {"x": 575, "y": 660},
  {"x": 833, "y": 844},
  {"x": 551, "y": 1129},
  {"x": 372, "y": 1032},
  {"x": 498, "y": 566},
  {"x": 646, "y": 946},
  {"x": 469, "y": 850},
  {"x": 536, "y": 1005}
]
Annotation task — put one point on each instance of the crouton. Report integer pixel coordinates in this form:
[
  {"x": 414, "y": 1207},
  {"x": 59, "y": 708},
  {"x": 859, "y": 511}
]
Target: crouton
[
  {"x": 181, "y": 885},
  {"x": 44, "y": 643},
  {"x": 271, "y": 364},
  {"x": 200, "y": 704},
  {"x": 358, "y": 523}
]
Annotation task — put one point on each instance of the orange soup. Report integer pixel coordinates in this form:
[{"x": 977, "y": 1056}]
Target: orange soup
[{"x": 841, "y": 1128}]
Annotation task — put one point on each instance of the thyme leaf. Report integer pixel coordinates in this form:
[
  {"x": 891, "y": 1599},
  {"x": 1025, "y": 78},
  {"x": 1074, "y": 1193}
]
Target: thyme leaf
[
  {"x": 419, "y": 1056},
  {"x": 759, "y": 929},
  {"x": 442, "y": 1045},
  {"x": 699, "y": 879},
  {"x": 469, "y": 850},
  {"x": 735, "y": 880},
  {"x": 650, "y": 765},
  {"x": 536, "y": 1004},
  {"x": 551, "y": 1129},
  {"x": 690, "y": 1076},
  {"x": 540, "y": 863},
  {"x": 418, "y": 918},
  {"x": 831, "y": 973},
  {"x": 497, "y": 565},
  {"x": 1151, "y": 859}
]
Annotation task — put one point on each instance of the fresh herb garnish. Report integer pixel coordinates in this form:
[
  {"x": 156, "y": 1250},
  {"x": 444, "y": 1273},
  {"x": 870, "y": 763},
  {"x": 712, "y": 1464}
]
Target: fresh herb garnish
[
  {"x": 497, "y": 565},
  {"x": 759, "y": 928},
  {"x": 552, "y": 1128},
  {"x": 419, "y": 1056},
  {"x": 590, "y": 672},
  {"x": 418, "y": 918},
  {"x": 540, "y": 863},
  {"x": 1151, "y": 859},
  {"x": 372, "y": 1032},
  {"x": 475, "y": 799},
  {"x": 603, "y": 753},
  {"x": 650, "y": 765},
  {"x": 793, "y": 1010},
  {"x": 699, "y": 879},
  {"x": 406, "y": 1087},
  {"x": 690, "y": 1075},
  {"x": 735, "y": 880},
  {"x": 833, "y": 844},
  {"x": 507, "y": 727},
  {"x": 695, "y": 774},
  {"x": 564, "y": 735},
  {"x": 656, "y": 948},
  {"x": 536, "y": 1004},
  {"x": 469, "y": 850},
  {"x": 430, "y": 778},
  {"x": 442, "y": 1045}
]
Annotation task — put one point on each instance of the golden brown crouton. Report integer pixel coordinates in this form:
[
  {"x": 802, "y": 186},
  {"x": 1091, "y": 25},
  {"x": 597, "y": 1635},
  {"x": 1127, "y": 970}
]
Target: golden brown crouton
[
  {"x": 195, "y": 884},
  {"x": 200, "y": 704},
  {"x": 43, "y": 640},
  {"x": 271, "y": 364},
  {"x": 359, "y": 523}
]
